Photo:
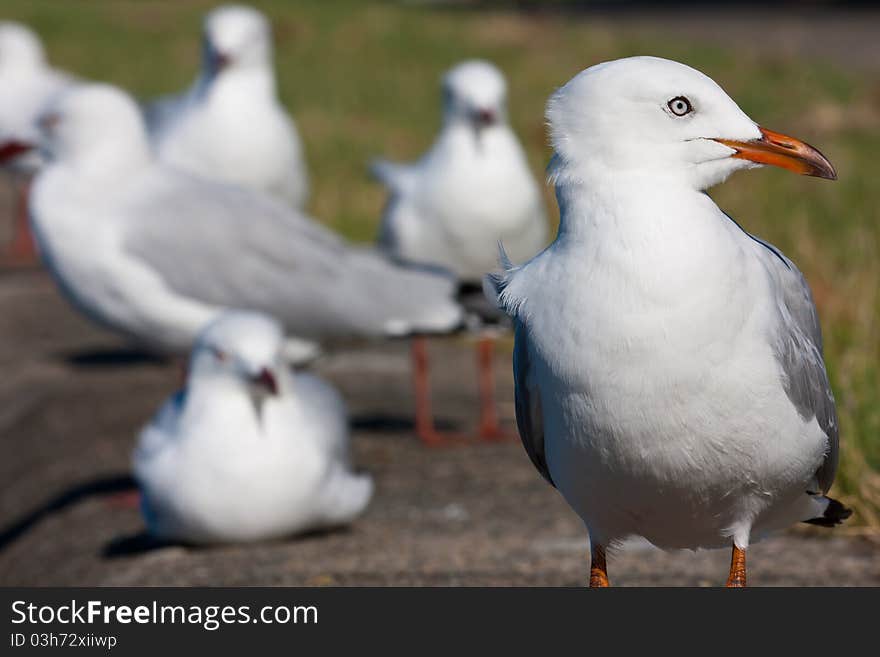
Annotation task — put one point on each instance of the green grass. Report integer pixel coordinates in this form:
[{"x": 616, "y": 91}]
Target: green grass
[{"x": 362, "y": 80}]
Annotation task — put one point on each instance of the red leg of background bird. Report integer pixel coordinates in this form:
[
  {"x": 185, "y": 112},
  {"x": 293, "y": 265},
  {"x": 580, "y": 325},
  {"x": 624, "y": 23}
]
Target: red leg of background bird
[
  {"x": 129, "y": 499},
  {"x": 21, "y": 249},
  {"x": 598, "y": 569},
  {"x": 490, "y": 425},
  {"x": 182, "y": 372},
  {"x": 425, "y": 429},
  {"x": 737, "y": 577}
]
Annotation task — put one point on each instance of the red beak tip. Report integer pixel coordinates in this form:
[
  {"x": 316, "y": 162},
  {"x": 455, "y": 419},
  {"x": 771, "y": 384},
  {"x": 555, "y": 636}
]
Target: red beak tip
[
  {"x": 267, "y": 379},
  {"x": 11, "y": 149}
]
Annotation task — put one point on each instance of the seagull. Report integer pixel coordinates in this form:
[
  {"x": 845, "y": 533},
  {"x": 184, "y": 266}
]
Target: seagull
[
  {"x": 247, "y": 451},
  {"x": 230, "y": 125},
  {"x": 27, "y": 83},
  {"x": 155, "y": 253},
  {"x": 668, "y": 365},
  {"x": 451, "y": 208}
]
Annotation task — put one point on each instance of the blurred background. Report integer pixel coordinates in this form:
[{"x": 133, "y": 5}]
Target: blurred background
[{"x": 362, "y": 79}]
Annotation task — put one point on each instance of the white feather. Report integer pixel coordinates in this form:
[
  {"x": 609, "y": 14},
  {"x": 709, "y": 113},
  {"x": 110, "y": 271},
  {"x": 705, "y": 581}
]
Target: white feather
[
  {"x": 652, "y": 323},
  {"x": 215, "y": 467}
]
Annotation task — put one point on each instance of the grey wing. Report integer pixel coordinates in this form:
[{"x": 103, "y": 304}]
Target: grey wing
[
  {"x": 398, "y": 178},
  {"x": 799, "y": 350},
  {"x": 162, "y": 112},
  {"x": 233, "y": 248},
  {"x": 159, "y": 111},
  {"x": 529, "y": 417}
]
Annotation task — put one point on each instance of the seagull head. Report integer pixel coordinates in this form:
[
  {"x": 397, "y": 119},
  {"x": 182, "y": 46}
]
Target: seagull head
[
  {"x": 95, "y": 127},
  {"x": 658, "y": 117},
  {"x": 475, "y": 94},
  {"x": 243, "y": 349},
  {"x": 20, "y": 48},
  {"x": 236, "y": 37}
]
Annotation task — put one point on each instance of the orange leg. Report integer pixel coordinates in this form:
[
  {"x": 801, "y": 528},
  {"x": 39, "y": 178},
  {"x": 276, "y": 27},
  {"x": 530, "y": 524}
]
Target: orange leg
[
  {"x": 182, "y": 372},
  {"x": 490, "y": 425},
  {"x": 598, "y": 569},
  {"x": 128, "y": 499},
  {"x": 21, "y": 250},
  {"x": 425, "y": 429},
  {"x": 737, "y": 577}
]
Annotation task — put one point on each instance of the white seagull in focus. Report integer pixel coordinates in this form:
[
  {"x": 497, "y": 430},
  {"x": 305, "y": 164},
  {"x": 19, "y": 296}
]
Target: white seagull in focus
[
  {"x": 230, "y": 126},
  {"x": 27, "y": 84},
  {"x": 155, "y": 253},
  {"x": 470, "y": 191},
  {"x": 247, "y": 451},
  {"x": 668, "y": 364}
]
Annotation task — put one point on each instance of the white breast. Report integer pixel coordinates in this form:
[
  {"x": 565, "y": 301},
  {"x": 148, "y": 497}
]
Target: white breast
[
  {"x": 239, "y": 137},
  {"x": 470, "y": 195},
  {"x": 662, "y": 400},
  {"x": 220, "y": 473}
]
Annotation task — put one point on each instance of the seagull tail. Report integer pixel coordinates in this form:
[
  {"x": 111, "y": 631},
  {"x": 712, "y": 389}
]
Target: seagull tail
[
  {"x": 391, "y": 174},
  {"x": 833, "y": 514},
  {"x": 495, "y": 283},
  {"x": 482, "y": 301},
  {"x": 346, "y": 496}
]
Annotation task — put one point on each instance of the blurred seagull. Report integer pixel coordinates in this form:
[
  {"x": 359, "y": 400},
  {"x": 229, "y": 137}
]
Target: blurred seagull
[
  {"x": 246, "y": 451},
  {"x": 230, "y": 125},
  {"x": 156, "y": 253},
  {"x": 470, "y": 191},
  {"x": 27, "y": 83},
  {"x": 668, "y": 364}
]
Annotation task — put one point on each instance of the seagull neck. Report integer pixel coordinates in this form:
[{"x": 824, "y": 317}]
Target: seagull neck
[
  {"x": 625, "y": 203},
  {"x": 246, "y": 82},
  {"x": 463, "y": 138},
  {"x": 206, "y": 382},
  {"x": 655, "y": 242}
]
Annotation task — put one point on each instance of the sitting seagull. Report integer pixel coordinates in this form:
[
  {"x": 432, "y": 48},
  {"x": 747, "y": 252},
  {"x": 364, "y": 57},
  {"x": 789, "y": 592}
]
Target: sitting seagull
[
  {"x": 230, "y": 125},
  {"x": 246, "y": 451},
  {"x": 27, "y": 83},
  {"x": 470, "y": 191},
  {"x": 668, "y": 364},
  {"x": 155, "y": 253}
]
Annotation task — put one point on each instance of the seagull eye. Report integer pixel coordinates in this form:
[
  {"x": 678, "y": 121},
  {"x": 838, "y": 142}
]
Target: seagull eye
[
  {"x": 218, "y": 353},
  {"x": 680, "y": 106}
]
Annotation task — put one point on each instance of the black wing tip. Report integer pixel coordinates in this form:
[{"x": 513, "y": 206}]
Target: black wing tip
[
  {"x": 834, "y": 515},
  {"x": 480, "y": 306}
]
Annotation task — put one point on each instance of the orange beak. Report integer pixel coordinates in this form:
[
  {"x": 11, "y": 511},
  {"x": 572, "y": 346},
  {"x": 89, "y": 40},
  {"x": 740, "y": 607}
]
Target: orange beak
[{"x": 780, "y": 150}]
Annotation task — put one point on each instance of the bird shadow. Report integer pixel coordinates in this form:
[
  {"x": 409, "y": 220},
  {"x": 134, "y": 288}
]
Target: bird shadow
[
  {"x": 133, "y": 545},
  {"x": 384, "y": 423},
  {"x": 123, "y": 546},
  {"x": 143, "y": 542},
  {"x": 111, "y": 357},
  {"x": 97, "y": 487}
]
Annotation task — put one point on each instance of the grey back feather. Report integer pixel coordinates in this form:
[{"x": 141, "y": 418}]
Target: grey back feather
[
  {"x": 233, "y": 248},
  {"x": 398, "y": 178},
  {"x": 798, "y": 348},
  {"x": 159, "y": 112},
  {"x": 529, "y": 412}
]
